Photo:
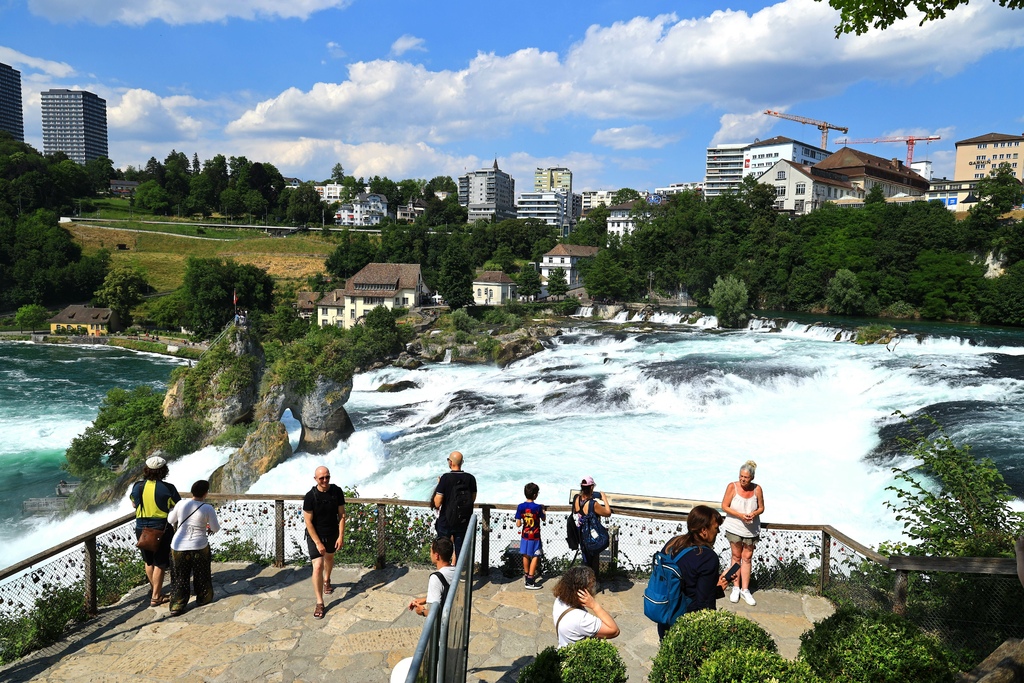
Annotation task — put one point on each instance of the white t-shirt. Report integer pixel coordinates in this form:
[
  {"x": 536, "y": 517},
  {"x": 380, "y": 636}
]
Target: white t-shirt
[
  {"x": 434, "y": 586},
  {"x": 191, "y": 534},
  {"x": 577, "y": 624}
]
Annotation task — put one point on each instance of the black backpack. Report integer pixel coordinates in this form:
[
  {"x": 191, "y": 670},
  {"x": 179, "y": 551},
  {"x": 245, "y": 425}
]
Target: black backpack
[
  {"x": 444, "y": 587},
  {"x": 459, "y": 507},
  {"x": 572, "y": 532}
]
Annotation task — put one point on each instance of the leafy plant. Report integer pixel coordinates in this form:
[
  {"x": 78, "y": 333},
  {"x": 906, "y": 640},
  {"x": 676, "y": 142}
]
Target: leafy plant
[
  {"x": 408, "y": 537},
  {"x": 729, "y": 298},
  {"x": 119, "y": 570},
  {"x": 546, "y": 668},
  {"x": 585, "y": 661},
  {"x": 874, "y": 647},
  {"x": 241, "y": 550},
  {"x": 746, "y": 665},
  {"x": 870, "y": 334},
  {"x": 28, "y": 630},
  {"x": 695, "y": 636}
]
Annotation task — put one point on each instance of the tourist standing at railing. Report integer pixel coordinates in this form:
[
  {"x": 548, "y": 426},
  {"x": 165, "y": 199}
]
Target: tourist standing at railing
[
  {"x": 153, "y": 499},
  {"x": 699, "y": 568},
  {"x": 323, "y": 509},
  {"x": 193, "y": 521},
  {"x": 440, "y": 581},
  {"x": 453, "y": 497},
  {"x": 743, "y": 505},
  {"x": 574, "y": 595},
  {"x": 589, "y": 501},
  {"x": 529, "y": 515}
]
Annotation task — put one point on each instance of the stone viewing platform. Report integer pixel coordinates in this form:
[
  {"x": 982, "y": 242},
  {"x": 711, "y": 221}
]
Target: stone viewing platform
[{"x": 261, "y": 627}]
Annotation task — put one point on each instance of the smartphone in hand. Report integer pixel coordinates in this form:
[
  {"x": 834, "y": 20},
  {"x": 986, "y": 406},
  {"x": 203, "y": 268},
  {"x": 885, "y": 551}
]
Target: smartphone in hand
[{"x": 733, "y": 571}]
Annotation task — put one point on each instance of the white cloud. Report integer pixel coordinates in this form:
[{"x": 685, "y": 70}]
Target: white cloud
[
  {"x": 653, "y": 68},
  {"x": 632, "y": 137},
  {"x": 335, "y": 50},
  {"x": 176, "y": 12},
  {"x": 743, "y": 127},
  {"x": 141, "y": 114},
  {"x": 407, "y": 43},
  {"x": 22, "y": 62}
]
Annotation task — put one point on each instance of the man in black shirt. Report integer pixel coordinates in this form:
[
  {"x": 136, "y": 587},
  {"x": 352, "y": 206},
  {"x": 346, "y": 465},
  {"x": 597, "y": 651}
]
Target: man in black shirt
[
  {"x": 454, "y": 495},
  {"x": 324, "y": 511}
]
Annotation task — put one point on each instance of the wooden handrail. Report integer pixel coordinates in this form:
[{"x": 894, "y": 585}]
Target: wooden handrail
[
  {"x": 955, "y": 565},
  {"x": 66, "y": 545}
]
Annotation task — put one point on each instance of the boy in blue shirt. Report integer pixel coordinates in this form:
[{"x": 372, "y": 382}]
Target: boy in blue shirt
[{"x": 529, "y": 515}]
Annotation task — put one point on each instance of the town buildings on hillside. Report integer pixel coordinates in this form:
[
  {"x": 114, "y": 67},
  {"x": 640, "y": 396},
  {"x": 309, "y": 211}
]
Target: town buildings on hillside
[
  {"x": 366, "y": 209},
  {"x": 488, "y": 194},
  {"x": 800, "y": 188},
  {"x": 567, "y": 257},
  {"x": 620, "y": 219},
  {"x": 392, "y": 285},
  {"x": 726, "y": 165},
  {"x": 11, "y": 117},
  {"x": 553, "y": 207},
  {"x": 865, "y": 171},
  {"x": 74, "y": 122},
  {"x": 85, "y": 320}
]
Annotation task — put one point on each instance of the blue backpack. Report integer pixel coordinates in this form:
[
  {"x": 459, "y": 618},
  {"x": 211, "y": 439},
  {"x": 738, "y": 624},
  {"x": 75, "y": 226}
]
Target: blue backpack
[
  {"x": 593, "y": 534},
  {"x": 664, "y": 601}
]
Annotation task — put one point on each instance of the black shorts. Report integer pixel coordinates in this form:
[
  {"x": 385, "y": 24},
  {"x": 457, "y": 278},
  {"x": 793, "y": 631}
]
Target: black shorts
[
  {"x": 328, "y": 541},
  {"x": 162, "y": 557}
]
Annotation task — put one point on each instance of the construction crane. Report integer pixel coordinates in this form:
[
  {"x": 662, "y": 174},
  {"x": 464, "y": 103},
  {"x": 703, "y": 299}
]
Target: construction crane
[
  {"x": 820, "y": 125},
  {"x": 909, "y": 139}
]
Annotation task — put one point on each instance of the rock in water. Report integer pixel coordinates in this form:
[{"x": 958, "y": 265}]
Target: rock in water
[
  {"x": 262, "y": 451},
  {"x": 323, "y": 417}
]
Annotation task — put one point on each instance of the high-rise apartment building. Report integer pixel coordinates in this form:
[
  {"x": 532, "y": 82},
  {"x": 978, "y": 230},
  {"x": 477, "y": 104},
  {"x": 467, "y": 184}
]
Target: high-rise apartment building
[
  {"x": 724, "y": 168},
  {"x": 74, "y": 122},
  {"x": 727, "y": 165},
  {"x": 11, "y": 119},
  {"x": 552, "y": 207},
  {"x": 488, "y": 194},
  {"x": 977, "y": 157},
  {"x": 552, "y": 179}
]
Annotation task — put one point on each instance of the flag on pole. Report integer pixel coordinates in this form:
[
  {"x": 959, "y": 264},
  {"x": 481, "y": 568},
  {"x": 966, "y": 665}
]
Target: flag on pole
[{"x": 234, "y": 294}]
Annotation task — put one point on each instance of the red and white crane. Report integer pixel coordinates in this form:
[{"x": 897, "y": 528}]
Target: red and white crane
[{"x": 909, "y": 139}]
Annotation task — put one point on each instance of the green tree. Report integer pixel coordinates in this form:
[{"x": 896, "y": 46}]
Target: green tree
[
  {"x": 504, "y": 259},
  {"x": 876, "y": 195},
  {"x": 123, "y": 417},
  {"x": 285, "y": 325},
  {"x": 557, "y": 285},
  {"x": 951, "y": 503},
  {"x": 232, "y": 202},
  {"x": 1000, "y": 189},
  {"x": 605, "y": 278},
  {"x": 625, "y": 195},
  {"x": 860, "y": 16},
  {"x": 210, "y": 286},
  {"x": 255, "y": 203},
  {"x": 352, "y": 254},
  {"x": 122, "y": 290},
  {"x": 149, "y": 196},
  {"x": 100, "y": 172},
  {"x": 844, "y": 295},
  {"x": 591, "y": 230},
  {"x": 455, "y": 281},
  {"x": 529, "y": 281},
  {"x": 31, "y": 316},
  {"x": 305, "y": 205},
  {"x": 337, "y": 173},
  {"x": 729, "y": 298}
]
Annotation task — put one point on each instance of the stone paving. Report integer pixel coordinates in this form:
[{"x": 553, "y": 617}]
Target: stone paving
[{"x": 261, "y": 627}]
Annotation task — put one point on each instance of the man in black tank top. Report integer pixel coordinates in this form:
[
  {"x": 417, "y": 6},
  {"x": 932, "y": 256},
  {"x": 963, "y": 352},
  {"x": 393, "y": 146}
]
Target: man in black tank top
[{"x": 323, "y": 509}]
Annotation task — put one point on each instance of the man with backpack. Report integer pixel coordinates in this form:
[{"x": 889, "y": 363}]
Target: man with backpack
[
  {"x": 454, "y": 497},
  {"x": 439, "y": 581}
]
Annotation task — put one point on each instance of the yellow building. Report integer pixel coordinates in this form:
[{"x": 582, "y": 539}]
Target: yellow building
[
  {"x": 392, "y": 285},
  {"x": 85, "y": 320},
  {"x": 978, "y": 157}
]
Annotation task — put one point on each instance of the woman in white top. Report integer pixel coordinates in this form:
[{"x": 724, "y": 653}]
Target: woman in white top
[
  {"x": 574, "y": 595},
  {"x": 193, "y": 520},
  {"x": 743, "y": 504}
]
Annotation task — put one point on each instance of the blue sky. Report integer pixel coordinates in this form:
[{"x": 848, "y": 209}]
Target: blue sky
[{"x": 623, "y": 93}]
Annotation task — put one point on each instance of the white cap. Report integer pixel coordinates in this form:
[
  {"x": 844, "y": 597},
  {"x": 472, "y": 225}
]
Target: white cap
[{"x": 155, "y": 462}]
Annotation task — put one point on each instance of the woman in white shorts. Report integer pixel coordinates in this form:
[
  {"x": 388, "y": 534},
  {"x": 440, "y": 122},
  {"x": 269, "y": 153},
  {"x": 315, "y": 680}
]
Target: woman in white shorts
[{"x": 743, "y": 504}]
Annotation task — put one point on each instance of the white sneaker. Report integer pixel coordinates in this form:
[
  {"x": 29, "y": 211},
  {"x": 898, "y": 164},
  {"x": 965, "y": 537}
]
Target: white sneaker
[
  {"x": 735, "y": 596},
  {"x": 747, "y": 597}
]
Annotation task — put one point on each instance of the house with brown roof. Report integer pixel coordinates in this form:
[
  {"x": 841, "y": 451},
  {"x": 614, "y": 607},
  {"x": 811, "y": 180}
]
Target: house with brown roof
[
  {"x": 392, "y": 285},
  {"x": 306, "y": 304},
  {"x": 865, "y": 171},
  {"x": 567, "y": 257},
  {"x": 85, "y": 320},
  {"x": 493, "y": 287},
  {"x": 800, "y": 189}
]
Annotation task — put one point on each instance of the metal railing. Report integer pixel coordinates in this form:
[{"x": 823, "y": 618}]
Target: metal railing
[
  {"x": 969, "y": 602},
  {"x": 442, "y": 653}
]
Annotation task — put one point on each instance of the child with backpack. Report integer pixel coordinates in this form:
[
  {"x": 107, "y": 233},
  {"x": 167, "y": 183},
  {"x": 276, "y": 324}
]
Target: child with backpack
[
  {"x": 685, "y": 576},
  {"x": 529, "y": 515}
]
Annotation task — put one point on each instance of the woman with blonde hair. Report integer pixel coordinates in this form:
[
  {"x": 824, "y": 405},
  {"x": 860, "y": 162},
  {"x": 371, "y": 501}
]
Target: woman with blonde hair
[{"x": 743, "y": 504}]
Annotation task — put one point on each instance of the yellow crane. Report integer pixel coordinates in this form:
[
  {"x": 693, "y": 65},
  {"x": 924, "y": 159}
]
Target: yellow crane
[{"x": 823, "y": 126}]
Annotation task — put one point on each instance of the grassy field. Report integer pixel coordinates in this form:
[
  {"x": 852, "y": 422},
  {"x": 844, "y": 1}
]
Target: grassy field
[{"x": 161, "y": 256}]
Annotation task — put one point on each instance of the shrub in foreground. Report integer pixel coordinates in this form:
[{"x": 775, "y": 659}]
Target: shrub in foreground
[
  {"x": 743, "y": 665},
  {"x": 698, "y": 635},
  {"x": 874, "y": 647},
  {"x": 587, "y": 661}
]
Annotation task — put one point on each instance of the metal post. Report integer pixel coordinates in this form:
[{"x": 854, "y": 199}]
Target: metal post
[
  {"x": 381, "y": 541},
  {"x": 613, "y": 547},
  {"x": 485, "y": 539},
  {"x": 826, "y": 561},
  {"x": 899, "y": 593},
  {"x": 90, "y": 576},
  {"x": 278, "y": 533}
]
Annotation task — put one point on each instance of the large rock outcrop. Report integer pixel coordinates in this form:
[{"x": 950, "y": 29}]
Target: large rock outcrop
[
  {"x": 263, "y": 450},
  {"x": 321, "y": 412}
]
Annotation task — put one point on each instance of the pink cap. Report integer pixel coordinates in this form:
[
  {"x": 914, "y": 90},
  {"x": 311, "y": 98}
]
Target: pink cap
[{"x": 587, "y": 481}]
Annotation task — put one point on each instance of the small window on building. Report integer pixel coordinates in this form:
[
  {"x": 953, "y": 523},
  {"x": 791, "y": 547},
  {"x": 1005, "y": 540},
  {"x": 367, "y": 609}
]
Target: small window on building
[
  {"x": 798, "y": 206},
  {"x": 801, "y": 188},
  {"x": 780, "y": 175},
  {"x": 780, "y": 191}
]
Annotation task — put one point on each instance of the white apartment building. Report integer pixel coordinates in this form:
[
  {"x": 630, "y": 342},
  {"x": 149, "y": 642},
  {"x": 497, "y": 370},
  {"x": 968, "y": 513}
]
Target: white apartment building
[
  {"x": 592, "y": 198},
  {"x": 368, "y": 208},
  {"x": 800, "y": 188},
  {"x": 492, "y": 288},
  {"x": 488, "y": 194},
  {"x": 724, "y": 168},
  {"x": 550, "y": 179},
  {"x": 552, "y": 207},
  {"x": 762, "y": 154},
  {"x": 620, "y": 219},
  {"x": 679, "y": 188},
  {"x": 330, "y": 192}
]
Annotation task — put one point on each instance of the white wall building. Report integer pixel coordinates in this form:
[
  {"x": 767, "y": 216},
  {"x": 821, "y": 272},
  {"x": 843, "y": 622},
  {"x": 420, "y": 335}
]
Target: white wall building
[
  {"x": 330, "y": 192},
  {"x": 488, "y": 194},
  {"x": 762, "y": 154},
  {"x": 724, "y": 168},
  {"x": 392, "y": 285},
  {"x": 492, "y": 288},
  {"x": 567, "y": 257},
  {"x": 620, "y": 219},
  {"x": 800, "y": 188},
  {"x": 679, "y": 188},
  {"x": 552, "y": 207},
  {"x": 368, "y": 208},
  {"x": 592, "y": 198}
]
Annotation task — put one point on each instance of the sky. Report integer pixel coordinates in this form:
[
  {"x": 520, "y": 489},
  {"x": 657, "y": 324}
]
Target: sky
[{"x": 625, "y": 94}]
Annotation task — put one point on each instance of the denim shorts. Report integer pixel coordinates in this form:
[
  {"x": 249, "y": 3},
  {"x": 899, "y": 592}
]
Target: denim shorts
[{"x": 745, "y": 540}]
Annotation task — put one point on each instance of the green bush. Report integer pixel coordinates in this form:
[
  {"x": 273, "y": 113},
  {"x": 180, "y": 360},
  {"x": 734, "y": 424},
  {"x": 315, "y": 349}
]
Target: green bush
[
  {"x": 697, "y": 635},
  {"x": 874, "y": 647},
  {"x": 119, "y": 570},
  {"x": 235, "y": 435},
  {"x": 407, "y": 537},
  {"x": 869, "y": 334},
  {"x": 25, "y": 631},
  {"x": 899, "y": 309},
  {"x": 567, "y": 307},
  {"x": 586, "y": 661},
  {"x": 745, "y": 665},
  {"x": 729, "y": 297},
  {"x": 239, "y": 550}
]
